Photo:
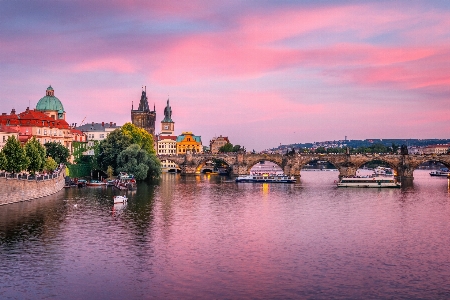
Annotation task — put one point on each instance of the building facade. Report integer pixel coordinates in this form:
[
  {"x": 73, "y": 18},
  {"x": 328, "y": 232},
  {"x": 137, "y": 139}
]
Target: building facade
[
  {"x": 187, "y": 141},
  {"x": 143, "y": 117},
  {"x": 5, "y": 133},
  {"x": 217, "y": 142},
  {"x": 96, "y": 132}
]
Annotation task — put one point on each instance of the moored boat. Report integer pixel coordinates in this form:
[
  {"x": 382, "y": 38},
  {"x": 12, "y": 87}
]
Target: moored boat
[
  {"x": 444, "y": 172},
  {"x": 125, "y": 182},
  {"x": 96, "y": 183},
  {"x": 369, "y": 182},
  {"x": 266, "y": 177},
  {"x": 120, "y": 199}
]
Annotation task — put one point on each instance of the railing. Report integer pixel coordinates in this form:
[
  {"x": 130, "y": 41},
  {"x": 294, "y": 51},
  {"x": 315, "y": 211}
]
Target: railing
[{"x": 23, "y": 176}]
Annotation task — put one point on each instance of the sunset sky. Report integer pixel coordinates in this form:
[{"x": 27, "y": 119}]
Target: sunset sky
[{"x": 263, "y": 73}]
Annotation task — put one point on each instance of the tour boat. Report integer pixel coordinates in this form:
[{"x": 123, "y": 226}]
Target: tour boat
[
  {"x": 266, "y": 177},
  {"x": 125, "y": 182},
  {"x": 120, "y": 199},
  {"x": 369, "y": 182},
  {"x": 442, "y": 172}
]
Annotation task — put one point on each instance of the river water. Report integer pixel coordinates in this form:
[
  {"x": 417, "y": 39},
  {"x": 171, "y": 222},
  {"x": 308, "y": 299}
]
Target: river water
[{"x": 206, "y": 237}]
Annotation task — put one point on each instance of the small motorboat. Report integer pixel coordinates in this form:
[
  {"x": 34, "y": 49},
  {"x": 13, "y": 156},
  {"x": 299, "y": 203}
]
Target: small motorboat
[{"x": 120, "y": 199}]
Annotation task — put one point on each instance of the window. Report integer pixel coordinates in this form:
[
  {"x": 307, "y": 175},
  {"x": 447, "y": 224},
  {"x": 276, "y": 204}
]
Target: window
[
  {"x": 45, "y": 131},
  {"x": 102, "y": 136}
]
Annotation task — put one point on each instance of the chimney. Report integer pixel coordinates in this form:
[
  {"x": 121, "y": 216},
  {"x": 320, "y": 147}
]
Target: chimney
[
  {"x": 92, "y": 123},
  {"x": 110, "y": 124},
  {"x": 3, "y": 114},
  {"x": 13, "y": 111},
  {"x": 28, "y": 109},
  {"x": 103, "y": 124}
]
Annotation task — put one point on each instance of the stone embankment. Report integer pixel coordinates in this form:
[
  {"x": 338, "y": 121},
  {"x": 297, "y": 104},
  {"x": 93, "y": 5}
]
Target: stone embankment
[{"x": 16, "y": 188}]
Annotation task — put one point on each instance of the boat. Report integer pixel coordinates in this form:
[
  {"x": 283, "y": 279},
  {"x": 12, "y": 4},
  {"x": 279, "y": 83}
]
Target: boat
[
  {"x": 125, "y": 182},
  {"x": 444, "y": 172},
  {"x": 81, "y": 183},
  {"x": 96, "y": 183},
  {"x": 267, "y": 177},
  {"x": 369, "y": 182},
  {"x": 120, "y": 199},
  {"x": 383, "y": 171},
  {"x": 110, "y": 183}
]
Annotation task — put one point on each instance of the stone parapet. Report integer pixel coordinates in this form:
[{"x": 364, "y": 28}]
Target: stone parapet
[{"x": 14, "y": 190}]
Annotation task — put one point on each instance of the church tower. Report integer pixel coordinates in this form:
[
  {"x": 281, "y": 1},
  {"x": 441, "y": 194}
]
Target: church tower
[
  {"x": 143, "y": 117},
  {"x": 167, "y": 125}
]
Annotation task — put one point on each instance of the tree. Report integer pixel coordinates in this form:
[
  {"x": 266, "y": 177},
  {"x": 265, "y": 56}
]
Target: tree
[
  {"x": 16, "y": 158},
  {"x": 228, "y": 147},
  {"x": 110, "y": 172},
  {"x": 57, "y": 151},
  {"x": 36, "y": 153},
  {"x": 321, "y": 150},
  {"x": 50, "y": 164},
  {"x": 110, "y": 148},
  {"x": 3, "y": 161},
  {"x": 134, "y": 160},
  {"x": 139, "y": 136}
]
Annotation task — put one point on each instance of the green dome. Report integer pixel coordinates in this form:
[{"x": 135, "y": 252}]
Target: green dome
[{"x": 50, "y": 102}]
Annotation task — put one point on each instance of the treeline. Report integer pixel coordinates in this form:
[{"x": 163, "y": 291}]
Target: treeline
[
  {"x": 32, "y": 157},
  {"x": 228, "y": 147}
]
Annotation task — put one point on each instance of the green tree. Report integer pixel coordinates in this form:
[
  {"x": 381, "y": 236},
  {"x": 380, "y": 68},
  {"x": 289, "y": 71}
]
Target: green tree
[
  {"x": 110, "y": 172},
  {"x": 3, "y": 161},
  {"x": 110, "y": 148},
  {"x": 139, "y": 136},
  {"x": 321, "y": 150},
  {"x": 36, "y": 153},
  {"x": 228, "y": 147},
  {"x": 134, "y": 160},
  {"x": 57, "y": 151},
  {"x": 50, "y": 164},
  {"x": 16, "y": 158}
]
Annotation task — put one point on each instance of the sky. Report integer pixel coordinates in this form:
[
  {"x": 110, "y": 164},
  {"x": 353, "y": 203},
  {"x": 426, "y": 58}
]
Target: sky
[{"x": 262, "y": 73}]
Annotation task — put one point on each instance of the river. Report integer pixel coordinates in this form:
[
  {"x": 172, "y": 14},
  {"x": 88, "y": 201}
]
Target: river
[{"x": 207, "y": 237}]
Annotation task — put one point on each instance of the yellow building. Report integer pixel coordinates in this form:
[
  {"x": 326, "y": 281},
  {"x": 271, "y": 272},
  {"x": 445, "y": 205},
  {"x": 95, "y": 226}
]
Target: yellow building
[{"x": 187, "y": 141}]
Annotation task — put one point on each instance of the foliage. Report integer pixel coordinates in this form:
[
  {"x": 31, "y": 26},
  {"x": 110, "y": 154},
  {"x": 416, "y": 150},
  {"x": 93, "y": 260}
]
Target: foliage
[
  {"x": 79, "y": 170},
  {"x": 16, "y": 158},
  {"x": 134, "y": 160},
  {"x": 139, "y": 136},
  {"x": 3, "y": 161},
  {"x": 36, "y": 153},
  {"x": 110, "y": 172},
  {"x": 50, "y": 164},
  {"x": 110, "y": 148},
  {"x": 57, "y": 151},
  {"x": 78, "y": 149},
  {"x": 336, "y": 150},
  {"x": 228, "y": 147},
  {"x": 154, "y": 167},
  {"x": 321, "y": 150}
]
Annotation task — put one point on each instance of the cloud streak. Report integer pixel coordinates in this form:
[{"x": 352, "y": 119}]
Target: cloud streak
[{"x": 263, "y": 66}]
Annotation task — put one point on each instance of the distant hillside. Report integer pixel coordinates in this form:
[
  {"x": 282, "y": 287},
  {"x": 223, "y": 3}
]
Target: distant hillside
[{"x": 366, "y": 143}]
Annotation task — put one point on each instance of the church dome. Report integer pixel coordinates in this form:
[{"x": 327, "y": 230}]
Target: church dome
[{"x": 50, "y": 102}]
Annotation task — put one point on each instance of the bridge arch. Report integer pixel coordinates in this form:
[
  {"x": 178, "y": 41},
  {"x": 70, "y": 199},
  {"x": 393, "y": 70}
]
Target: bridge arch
[
  {"x": 254, "y": 162},
  {"x": 170, "y": 165}
]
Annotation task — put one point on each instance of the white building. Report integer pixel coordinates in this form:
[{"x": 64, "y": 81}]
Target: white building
[{"x": 96, "y": 132}]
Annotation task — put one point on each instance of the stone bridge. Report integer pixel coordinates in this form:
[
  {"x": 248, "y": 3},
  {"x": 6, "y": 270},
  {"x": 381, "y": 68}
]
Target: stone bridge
[{"x": 347, "y": 164}]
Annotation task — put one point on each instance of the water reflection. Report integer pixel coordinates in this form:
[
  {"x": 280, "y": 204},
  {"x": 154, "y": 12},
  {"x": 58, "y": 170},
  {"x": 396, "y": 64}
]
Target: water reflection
[{"x": 209, "y": 237}]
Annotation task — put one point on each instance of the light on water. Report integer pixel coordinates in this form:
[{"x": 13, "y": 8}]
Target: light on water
[{"x": 209, "y": 237}]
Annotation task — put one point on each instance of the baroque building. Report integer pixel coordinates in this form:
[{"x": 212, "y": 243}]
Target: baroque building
[
  {"x": 216, "y": 143},
  {"x": 143, "y": 117},
  {"x": 187, "y": 141}
]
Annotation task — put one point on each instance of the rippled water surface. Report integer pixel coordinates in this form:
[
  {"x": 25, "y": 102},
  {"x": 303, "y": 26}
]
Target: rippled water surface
[{"x": 208, "y": 237}]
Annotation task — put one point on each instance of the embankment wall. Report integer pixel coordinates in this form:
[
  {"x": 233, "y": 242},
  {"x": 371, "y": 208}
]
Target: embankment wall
[{"x": 14, "y": 190}]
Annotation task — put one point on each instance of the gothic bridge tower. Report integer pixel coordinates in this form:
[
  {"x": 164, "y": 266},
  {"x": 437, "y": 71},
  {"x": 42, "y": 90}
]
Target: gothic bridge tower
[{"x": 143, "y": 117}]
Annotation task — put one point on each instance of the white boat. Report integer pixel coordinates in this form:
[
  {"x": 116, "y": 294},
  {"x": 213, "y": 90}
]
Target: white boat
[
  {"x": 265, "y": 177},
  {"x": 382, "y": 171},
  {"x": 369, "y": 182},
  {"x": 442, "y": 172},
  {"x": 120, "y": 199}
]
